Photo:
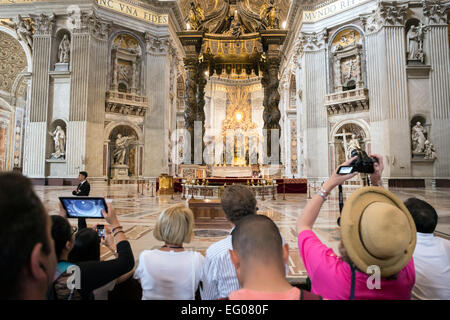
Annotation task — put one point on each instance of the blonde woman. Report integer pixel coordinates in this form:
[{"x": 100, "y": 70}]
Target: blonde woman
[{"x": 170, "y": 272}]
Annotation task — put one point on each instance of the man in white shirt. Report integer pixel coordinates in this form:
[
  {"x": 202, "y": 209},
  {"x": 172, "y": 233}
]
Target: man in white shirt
[
  {"x": 431, "y": 255},
  {"x": 219, "y": 275}
]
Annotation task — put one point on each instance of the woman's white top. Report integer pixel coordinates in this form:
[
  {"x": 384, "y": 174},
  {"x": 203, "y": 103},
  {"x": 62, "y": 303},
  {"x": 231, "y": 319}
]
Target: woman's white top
[{"x": 169, "y": 275}]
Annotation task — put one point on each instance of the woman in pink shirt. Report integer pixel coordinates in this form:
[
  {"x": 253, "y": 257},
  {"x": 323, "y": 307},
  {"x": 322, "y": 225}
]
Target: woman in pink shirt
[{"x": 378, "y": 240}]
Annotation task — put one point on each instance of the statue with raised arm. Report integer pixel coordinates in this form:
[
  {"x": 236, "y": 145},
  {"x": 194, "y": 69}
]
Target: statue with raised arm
[
  {"x": 121, "y": 148},
  {"x": 59, "y": 138},
  {"x": 353, "y": 144},
  {"x": 64, "y": 50}
]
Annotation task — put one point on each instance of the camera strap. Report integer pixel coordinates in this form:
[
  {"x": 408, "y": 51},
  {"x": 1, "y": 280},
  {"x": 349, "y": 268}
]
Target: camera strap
[
  {"x": 341, "y": 204},
  {"x": 341, "y": 199}
]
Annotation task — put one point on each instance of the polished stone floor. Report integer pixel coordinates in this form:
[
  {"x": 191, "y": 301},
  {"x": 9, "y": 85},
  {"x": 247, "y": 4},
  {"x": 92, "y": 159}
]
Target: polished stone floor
[{"x": 138, "y": 213}]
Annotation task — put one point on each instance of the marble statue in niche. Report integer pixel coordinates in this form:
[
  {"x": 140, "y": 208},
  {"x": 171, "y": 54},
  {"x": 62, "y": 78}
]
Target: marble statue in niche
[
  {"x": 59, "y": 139},
  {"x": 353, "y": 144},
  {"x": 418, "y": 138},
  {"x": 64, "y": 50},
  {"x": 430, "y": 151},
  {"x": 121, "y": 148},
  {"x": 415, "y": 38}
]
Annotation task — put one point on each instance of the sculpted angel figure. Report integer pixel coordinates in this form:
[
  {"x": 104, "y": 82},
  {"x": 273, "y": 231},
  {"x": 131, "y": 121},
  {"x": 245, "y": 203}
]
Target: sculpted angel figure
[
  {"x": 196, "y": 16},
  {"x": 269, "y": 15},
  {"x": 23, "y": 30}
]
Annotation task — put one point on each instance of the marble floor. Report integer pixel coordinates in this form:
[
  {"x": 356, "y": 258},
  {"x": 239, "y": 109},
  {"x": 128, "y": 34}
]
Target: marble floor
[{"x": 138, "y": 213}]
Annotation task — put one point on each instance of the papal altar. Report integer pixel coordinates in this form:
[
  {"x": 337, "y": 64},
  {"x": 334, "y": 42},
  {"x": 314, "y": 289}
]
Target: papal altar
[{"x": 232, "y": 171}]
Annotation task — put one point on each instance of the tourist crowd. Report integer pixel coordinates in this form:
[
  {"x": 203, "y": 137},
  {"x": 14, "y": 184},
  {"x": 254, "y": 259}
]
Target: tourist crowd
[{"x": 387, "y": 251}]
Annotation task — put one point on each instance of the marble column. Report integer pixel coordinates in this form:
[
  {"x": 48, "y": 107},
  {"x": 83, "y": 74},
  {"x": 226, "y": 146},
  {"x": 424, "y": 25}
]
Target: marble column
[
  {"x": 313, "y": 59},
  {"x": 437, "y": 50},
  {"x": 87, "y": 97},
  {"x": 272, "y": 114},
  {"x": 36, "y": 132},
  {"x": 157, "y": 90},
  {"x": 387, "y": 84},
  {"x": 190, "y": 112}
]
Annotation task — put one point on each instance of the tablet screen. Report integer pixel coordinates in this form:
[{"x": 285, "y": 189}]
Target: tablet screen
[{"x": 84, "y": 207}]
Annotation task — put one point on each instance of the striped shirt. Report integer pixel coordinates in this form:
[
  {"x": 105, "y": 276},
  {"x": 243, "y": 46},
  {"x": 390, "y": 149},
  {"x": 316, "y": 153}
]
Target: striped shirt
[{"x": 219, "y": 276}]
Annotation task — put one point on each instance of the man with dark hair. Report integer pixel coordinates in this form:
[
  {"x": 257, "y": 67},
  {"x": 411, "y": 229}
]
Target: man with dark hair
[
  {"x": 431, "y": 255},
  {"x": 259, "y": 257},
  {"x": 27, "y": 253},
  {"x": 219, "y": 276},
  {"x": 84, "y": 188}
]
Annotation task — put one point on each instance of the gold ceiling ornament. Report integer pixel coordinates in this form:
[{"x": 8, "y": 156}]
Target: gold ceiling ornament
[{"x": 239, "y": 111}]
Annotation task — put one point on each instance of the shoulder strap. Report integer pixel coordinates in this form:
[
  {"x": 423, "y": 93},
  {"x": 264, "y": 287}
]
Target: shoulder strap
[{"x": 352, "y": 289}]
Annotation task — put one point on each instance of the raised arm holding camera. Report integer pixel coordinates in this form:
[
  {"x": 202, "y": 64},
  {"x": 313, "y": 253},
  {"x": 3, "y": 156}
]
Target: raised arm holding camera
[
  {"x": 378, "y": 234},
  {"x": 94, "y": 273}
]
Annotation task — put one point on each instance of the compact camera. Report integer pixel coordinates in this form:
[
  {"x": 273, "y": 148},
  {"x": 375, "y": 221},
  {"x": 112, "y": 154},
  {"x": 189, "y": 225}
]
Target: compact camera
[{"x": 362, "y": 164}]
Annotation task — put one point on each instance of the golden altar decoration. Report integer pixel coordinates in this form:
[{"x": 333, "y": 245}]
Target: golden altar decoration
[{"x": 165, "y": 184}]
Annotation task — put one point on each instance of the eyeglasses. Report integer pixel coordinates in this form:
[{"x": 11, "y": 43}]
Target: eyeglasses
[{"x": 74, "y": 230}]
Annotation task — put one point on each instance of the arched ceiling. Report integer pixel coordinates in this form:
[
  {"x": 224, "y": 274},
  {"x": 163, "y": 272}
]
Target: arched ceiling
[{"x": 12, "y": 61}]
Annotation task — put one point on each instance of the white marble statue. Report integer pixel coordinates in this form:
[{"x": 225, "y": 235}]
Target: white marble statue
[
  {"x": 64, "y": 50},
  {"x": 430, "y": 151},
  {"x": 413, "y": 43},
  {"x": 353, "y": 144},
  {"x": 59, "y": 138},
  {"x": 121, "y": 147},
  {"x": 418, "y": 138}
]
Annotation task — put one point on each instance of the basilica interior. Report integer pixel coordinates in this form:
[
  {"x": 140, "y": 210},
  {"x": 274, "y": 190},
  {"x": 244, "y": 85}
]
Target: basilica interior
[{"x": 165, "y": 101}]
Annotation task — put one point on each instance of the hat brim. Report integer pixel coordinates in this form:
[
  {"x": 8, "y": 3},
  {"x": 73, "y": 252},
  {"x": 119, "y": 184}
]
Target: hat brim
[{"x": 351, "y": 237}]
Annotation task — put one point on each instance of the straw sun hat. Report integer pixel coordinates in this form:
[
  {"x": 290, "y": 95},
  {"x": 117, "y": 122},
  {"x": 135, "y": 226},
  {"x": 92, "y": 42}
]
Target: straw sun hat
[{"x": 377, "y": 229}]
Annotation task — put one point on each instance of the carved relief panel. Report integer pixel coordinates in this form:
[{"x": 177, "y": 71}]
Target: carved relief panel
[
  {"x": 346, "y": 57},
  {"x": 127, "y": 62}
]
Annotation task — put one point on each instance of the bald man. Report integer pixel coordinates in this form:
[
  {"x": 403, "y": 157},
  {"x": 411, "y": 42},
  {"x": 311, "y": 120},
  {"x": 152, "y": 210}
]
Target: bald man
[{"x": 259, "y": 258}]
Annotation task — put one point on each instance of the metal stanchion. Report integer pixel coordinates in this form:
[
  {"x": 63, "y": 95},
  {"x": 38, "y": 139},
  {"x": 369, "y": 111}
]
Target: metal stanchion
[
  {"x": 182, "y": 192},
  {"x": 284, "y": 190},
  {"x": 263, "y": 193},
  {"x": 152, "y": 191},
  {"x": 138, "y": 191},
  {"x": 273, "y": 192},
  {"x": 142, "y": 189}
]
